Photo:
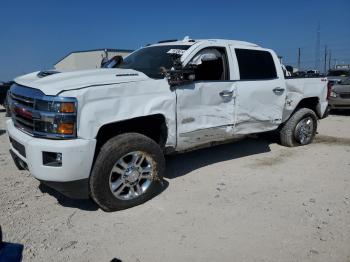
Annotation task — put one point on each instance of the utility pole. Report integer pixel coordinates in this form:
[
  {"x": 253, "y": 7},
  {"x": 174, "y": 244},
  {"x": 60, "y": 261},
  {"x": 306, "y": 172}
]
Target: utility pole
[
  {"x": 317, "y": 49},
  {"x": 325, "y": 58},
  {"x": 329, "y": 58},
  {"x": 299, "y": 58}
]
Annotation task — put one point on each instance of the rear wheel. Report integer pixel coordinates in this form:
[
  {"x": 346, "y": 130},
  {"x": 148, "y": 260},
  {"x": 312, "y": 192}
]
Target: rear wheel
[
  {"x": 127, "y": 172},
  {"x": 300, "y": 128}
]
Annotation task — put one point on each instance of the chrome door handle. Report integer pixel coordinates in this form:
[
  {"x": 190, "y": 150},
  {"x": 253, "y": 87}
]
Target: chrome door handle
[
  {"x": 278, "y": 90},
  {"x": 226, "y": 93}
]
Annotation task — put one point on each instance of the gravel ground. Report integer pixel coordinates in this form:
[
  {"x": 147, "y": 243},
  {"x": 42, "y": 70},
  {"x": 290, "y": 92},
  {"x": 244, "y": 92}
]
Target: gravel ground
[{"x": 253, "y": 200}]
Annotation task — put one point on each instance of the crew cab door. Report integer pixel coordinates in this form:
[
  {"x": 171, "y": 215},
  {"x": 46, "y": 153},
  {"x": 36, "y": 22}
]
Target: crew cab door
[
  {"x": 205, "y": 107},
  {"x": 261, "y": 91}
]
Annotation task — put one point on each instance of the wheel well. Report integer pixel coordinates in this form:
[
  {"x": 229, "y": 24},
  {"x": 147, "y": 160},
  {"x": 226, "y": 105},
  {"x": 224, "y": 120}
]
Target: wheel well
[
  {"x": 153, "y": 126},
  {"x": 310, "y": 102}
]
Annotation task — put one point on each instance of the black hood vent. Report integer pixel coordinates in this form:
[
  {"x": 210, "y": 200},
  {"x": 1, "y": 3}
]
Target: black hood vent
[{"x": 47, "y": 73}]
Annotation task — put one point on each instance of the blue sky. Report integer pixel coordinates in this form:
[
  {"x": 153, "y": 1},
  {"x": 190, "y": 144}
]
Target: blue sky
[{"x": 35, "y": 34}]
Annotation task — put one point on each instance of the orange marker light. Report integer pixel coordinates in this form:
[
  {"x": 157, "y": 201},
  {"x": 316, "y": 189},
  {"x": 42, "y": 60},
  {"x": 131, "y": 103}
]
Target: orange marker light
[
  {"x": 67, "y": 107},
  {"x": 65, "y": 128}
]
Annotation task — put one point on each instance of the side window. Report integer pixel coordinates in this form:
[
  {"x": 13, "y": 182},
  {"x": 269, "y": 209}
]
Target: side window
[
  {"x": 255, "y": 64},
  {"x": 210, "y": 64}
]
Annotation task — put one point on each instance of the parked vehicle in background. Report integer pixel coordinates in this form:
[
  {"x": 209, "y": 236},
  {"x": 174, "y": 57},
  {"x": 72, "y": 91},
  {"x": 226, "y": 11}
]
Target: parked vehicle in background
[
  {"x": 338, "y": 76},
  {"x": 103, "y": 133},
  {"x": 3, "y": 92},
  {"x": 300, "y": 74},
  {"x": 4, "y": 88},
  {"x": 340, "y": 96},
  {"x": 313, "y": 73}
]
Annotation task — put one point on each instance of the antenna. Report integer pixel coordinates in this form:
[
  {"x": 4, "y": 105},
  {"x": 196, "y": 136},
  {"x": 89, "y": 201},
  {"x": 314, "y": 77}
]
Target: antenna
[
  {"x": 317, "y": 50},
  {"x": 325, "y": 59}
]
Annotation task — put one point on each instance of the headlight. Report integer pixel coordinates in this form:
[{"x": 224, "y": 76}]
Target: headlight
[
  {"x": 42, "y": 115},
  {"x": 56, "y": 118},
  {"x": 333, "y": 94},
  {"x": 67, "y": 107},
  {"x": 55, "y": 106}
]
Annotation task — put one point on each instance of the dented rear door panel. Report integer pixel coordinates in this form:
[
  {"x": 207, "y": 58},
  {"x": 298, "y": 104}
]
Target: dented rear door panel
[
  {"x": 259, "y": 109},
  {"x": 260, "y": 102}
]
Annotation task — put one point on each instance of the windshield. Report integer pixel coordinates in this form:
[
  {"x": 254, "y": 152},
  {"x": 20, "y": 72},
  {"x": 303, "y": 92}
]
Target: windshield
[{"x": 149, "y": 60}]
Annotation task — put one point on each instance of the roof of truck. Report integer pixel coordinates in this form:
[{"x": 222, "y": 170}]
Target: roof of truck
[{"x": 188, "y": 41}]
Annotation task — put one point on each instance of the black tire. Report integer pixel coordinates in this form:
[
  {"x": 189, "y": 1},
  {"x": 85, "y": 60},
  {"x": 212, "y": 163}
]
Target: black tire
[
  {"x": 288, "y": 131},
  {"x": 113, "y": 150}
]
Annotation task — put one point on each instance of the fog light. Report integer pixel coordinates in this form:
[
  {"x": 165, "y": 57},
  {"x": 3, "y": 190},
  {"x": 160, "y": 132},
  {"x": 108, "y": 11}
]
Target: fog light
[{"x": 52, "y": 159}]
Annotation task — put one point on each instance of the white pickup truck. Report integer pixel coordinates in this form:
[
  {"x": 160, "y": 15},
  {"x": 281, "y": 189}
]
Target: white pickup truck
[{"x": 103, "y": 133}]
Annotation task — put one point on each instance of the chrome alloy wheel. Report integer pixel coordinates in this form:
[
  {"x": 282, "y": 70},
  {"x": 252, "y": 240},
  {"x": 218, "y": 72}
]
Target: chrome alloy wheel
[
  {"x": 304, "y": 130},
  {"x": 131, "y": 175}
]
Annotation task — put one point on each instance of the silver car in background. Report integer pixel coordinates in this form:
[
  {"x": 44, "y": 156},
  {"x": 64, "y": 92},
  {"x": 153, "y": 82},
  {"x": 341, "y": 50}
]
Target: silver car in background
[
  {"x": 340, "y": 94},
  {"x": 338, "y": 76}
]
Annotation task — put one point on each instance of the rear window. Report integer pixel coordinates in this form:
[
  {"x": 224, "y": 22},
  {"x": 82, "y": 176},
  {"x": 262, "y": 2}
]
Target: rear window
[{"x": 255, "y": 64}]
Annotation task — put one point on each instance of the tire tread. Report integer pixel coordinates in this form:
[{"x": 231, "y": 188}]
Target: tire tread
[{"x": 287, "y": 130}]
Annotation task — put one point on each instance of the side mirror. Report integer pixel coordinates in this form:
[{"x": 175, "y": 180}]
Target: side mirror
[
  {"x": 198, "y": 60},
  {"x": 208, "y": 57}
]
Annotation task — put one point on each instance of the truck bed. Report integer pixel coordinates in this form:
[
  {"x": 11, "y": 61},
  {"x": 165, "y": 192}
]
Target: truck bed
[{"x": 310, "y": 88}]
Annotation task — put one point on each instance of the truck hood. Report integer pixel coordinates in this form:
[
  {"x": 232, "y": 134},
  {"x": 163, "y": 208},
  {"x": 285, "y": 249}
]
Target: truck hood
[{"x": 53, "y": 83}]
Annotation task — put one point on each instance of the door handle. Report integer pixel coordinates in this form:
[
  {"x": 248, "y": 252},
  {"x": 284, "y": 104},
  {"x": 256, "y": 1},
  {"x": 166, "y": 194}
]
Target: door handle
[
  {"x": 278, "y": 90},
  {"x": 226, "y": 93}
]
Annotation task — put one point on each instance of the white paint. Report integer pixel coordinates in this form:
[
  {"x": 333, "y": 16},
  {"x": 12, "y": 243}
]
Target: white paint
[{"x": 77, "y": 156}]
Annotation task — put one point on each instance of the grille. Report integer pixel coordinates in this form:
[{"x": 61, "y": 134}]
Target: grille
[
  {"x": 344, "y": 95},
  {"x": 22, "y": 112}
]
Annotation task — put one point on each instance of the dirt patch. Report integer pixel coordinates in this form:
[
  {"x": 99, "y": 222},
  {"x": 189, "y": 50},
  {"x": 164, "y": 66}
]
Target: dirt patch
[
  {"x": 331, "y": 140},
  {"x": 274, "y": 160}
]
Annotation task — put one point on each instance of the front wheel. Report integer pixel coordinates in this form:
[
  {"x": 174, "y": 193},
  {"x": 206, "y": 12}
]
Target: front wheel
[
  {"x": 127, "y": 172},
  {"x": 300, "y": 128}
]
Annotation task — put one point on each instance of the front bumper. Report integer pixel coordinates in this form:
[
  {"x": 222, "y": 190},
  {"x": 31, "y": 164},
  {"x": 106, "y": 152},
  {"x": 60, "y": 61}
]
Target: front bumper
[{"x": 77, "y": 158}]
